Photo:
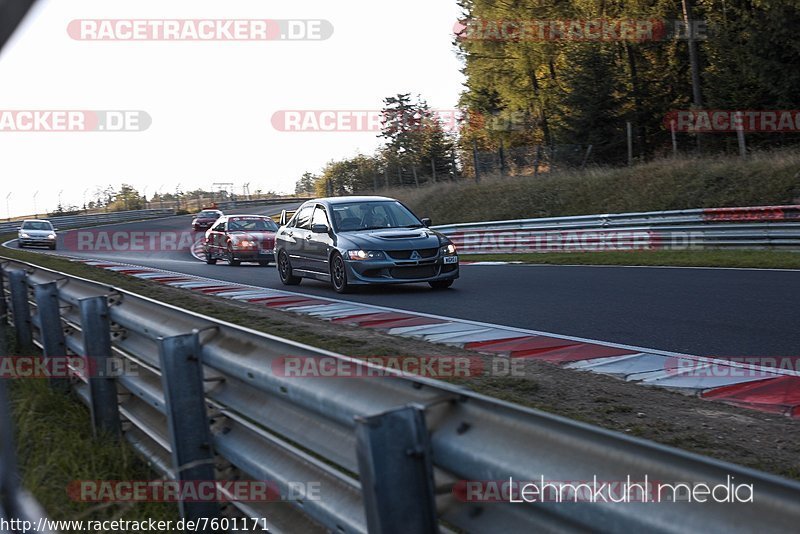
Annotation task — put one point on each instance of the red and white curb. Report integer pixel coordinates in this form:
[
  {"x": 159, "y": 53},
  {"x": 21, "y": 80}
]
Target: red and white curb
[{"x": 769, "y": 389}]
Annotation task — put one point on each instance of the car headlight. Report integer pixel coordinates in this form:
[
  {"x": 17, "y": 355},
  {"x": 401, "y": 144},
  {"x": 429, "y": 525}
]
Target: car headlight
[
  {"x": 23, "y": 234},
  {"x": 51, "y": 236},
  {"x": 365, "y": 254},
  {"x": 448, "y": 249}
]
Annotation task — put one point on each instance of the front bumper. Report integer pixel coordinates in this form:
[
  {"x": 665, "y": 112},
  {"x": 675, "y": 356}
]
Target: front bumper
[
  {"x": 254, "y": 255},
  {"x": 400, "y": 271},
  {"x": 37, "y": 241}
]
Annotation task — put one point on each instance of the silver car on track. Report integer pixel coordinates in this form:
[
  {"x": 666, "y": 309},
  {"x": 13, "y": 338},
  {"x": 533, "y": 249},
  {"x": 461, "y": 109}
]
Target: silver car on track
[{"x": 36, "y": 232}]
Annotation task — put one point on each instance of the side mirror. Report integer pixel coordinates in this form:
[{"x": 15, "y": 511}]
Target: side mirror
[
  {"x": 426, "y": 222},
  {"x": 55, "y": 229},
  {"x": 319, "y": 228}
]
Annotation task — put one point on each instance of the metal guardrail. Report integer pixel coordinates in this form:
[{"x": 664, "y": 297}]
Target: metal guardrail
[
  {"x": 75, "y": 221},
  {"x": 229, "y": 205},
  {"x": 768, "y": 227},
  {"x": 388, "y": 454}
]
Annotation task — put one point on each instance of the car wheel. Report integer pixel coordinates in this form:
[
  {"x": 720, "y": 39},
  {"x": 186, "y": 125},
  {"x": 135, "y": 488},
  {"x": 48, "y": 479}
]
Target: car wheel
[
  {"x": 339, "y": 274},
  {"x": 20, "y": 245},
  {"x": 285, "y": 270},
  {"x": 441, "y": 284},
  {"x": 231, "y": 260},
  {"x": 209, "y": 258},
  {"x": 52, "y": 247}
]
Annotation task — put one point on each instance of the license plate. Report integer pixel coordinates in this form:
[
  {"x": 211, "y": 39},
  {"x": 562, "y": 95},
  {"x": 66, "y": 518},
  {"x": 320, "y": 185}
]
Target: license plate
[{"x": 451, "y": 259}]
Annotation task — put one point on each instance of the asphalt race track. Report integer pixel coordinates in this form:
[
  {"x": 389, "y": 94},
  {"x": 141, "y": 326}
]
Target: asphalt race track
[{"x": 708, "y": 312}]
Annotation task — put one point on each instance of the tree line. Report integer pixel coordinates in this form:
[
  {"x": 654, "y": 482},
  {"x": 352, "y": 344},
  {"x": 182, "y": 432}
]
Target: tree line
[{"x": 530, "y": 83}]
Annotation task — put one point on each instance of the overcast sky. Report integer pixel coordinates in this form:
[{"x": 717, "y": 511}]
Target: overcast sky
[{"x": 211, "y": 103}]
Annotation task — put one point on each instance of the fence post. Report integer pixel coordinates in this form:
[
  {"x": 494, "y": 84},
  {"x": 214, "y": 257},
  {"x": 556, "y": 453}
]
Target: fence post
[
  {"x": 182, "y": 383},
  {"x": 475, "y": 160},
  {"x": 740, "y": 134},
  {"x": 97, "y": 350},
  {"x": 630, "y": 142},
  {"x": 414, "y": 171},
  {"x": 587, "y": 156},
  {"x": 674, "y": 138},
  {"x": 51, "y": 331},
  {"x": 502, "y": 155},
  {"x": 396, "y": 472},
  {"x": 18, "y": 284}
]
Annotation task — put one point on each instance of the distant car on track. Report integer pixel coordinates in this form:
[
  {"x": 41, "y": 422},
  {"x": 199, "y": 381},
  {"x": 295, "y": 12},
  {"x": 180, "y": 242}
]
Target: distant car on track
[
  {"x": 203, "y": 220},
  {"x": 36, "y": 232},
  {"x": 238, "y": 238},
  {"x": 352, "y": 241}
]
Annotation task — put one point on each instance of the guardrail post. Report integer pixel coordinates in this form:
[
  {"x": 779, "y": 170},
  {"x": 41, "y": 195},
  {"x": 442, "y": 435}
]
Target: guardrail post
[
  {"x": 9, "y": 480},
  {"x": 52, "y": 332},
  {"x": 21, "y": 309},
  {"x": 396, "y": 472},
  {"x": 97, "y": 350},
  {"x": 8, "y": 464},
  {"x": 3, "y": 304},
  {"x": 182, "y": 383}
]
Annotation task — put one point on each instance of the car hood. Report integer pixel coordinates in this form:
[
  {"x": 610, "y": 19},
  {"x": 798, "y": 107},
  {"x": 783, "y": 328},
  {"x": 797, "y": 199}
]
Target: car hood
[
  {"x": 266, "y": 234},
  {"x": 204, "y": 220},
  {"x": 392, "y": 239},
  {"x": 37, "y": 233}
]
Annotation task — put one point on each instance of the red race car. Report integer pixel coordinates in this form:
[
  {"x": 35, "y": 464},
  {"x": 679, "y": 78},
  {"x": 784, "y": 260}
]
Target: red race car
[
  {"x": 203, "y": 220},
  {"x": 238, "y": 238}
]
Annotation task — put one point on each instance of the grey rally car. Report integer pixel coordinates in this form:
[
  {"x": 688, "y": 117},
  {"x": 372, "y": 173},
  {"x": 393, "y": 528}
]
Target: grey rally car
[{"x": 351, "y": 241}]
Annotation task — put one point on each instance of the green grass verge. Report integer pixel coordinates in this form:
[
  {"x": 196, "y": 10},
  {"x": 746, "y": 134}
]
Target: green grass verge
[
  {"x": 56, "y": 447},
  {"x": 667, "y": 184},
  {"x": 757, "y": 259}
]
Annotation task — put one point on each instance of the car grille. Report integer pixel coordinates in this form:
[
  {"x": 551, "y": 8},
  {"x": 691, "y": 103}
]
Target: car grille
[
  {"x": 410, "y": 273},
  {"x": 406, "y": 254}
]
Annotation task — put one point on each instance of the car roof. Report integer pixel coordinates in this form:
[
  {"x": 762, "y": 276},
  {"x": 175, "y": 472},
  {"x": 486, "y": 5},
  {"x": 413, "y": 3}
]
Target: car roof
[
  {"x": 36, "y": 220},
  {"x": 248, "y": 215},
  {"x": 346, "y": 200}
]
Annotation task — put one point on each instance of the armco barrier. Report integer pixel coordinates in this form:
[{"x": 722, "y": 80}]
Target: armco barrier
[
  {"x": 389, "y": 454},
  {"x": 233, "y": 204},
  {"x": 768, "y": 227},
  {"x": 76, "y": 221}
]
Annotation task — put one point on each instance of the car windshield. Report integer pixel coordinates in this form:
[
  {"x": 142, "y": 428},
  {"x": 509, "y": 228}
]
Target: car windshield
[
  {"x": 240, "y": 224},
  {"x": 37, "y": 225},
  {"x": 354, "y": 216},
  {"x": 208, "y": 215}
]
